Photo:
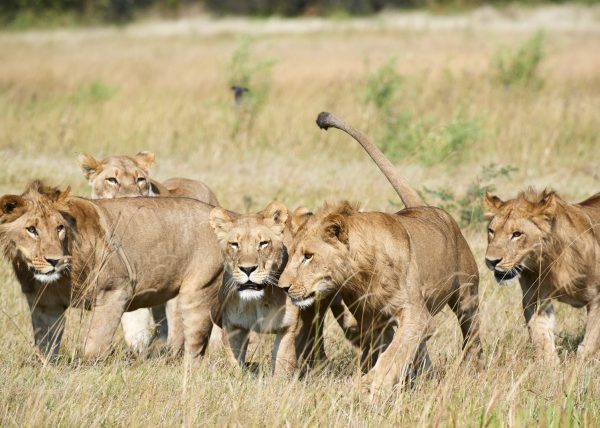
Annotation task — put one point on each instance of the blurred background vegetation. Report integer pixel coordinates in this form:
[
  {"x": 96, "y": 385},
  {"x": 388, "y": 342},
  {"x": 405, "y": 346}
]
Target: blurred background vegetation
[{"x": 26, "y": 13}]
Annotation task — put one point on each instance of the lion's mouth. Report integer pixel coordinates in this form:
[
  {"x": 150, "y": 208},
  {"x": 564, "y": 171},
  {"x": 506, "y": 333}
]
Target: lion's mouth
[
  {"x": 506, "y": 275},
  {"x": 47, "y": 277},
  {"x": 305, "y": 301},
  {"x": 251, "y": 286}
]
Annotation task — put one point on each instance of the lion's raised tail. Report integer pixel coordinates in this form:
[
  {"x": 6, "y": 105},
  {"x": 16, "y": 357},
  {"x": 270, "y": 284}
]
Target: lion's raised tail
[{"x": 407, "y": 194}]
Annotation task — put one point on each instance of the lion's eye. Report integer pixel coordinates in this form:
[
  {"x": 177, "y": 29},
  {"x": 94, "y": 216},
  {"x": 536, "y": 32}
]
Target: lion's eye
[
  {"x": 141, "y": 180},
  {"x": 234, "y": 245},
  {"x": 32, "y": 230},
  {"x": 112, "y": 180},
  {"x": 60, "y": 228},
  {"x": 263, "y": 244},
  {"x": 307, "y": 257},
  {"x": 491, "y": 231},
  {"x": 516, "y": 234}
]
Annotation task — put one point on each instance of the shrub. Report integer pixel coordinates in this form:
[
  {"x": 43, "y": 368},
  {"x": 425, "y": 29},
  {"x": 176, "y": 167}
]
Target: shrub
[{"x": 519, "y": 66}]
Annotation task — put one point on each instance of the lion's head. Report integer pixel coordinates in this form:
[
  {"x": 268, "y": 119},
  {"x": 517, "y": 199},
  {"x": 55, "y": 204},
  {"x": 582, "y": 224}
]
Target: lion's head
[
  {"x": 118, "y": 176},
  {"x": 319, "y": 256},
  {"x": 517, "y": 231},
  {"x": 33, "y": 231},
  {"x": 254, "y": 245}
]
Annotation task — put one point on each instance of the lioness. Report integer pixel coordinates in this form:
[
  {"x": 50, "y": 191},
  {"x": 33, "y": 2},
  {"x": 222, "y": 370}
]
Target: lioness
[
  {"x": 254, "y": 248},
  {"x": 394, "y": 271},
  {"x": 110, "y": 256},
  {"x": 553, "y": 248},
  {"x": 128, "y": 176}
]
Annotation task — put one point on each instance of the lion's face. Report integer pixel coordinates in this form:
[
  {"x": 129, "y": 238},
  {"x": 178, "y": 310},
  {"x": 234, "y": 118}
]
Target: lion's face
[
  {"x": 118, "y": 176},
  {"x": 34, "y": 231},
  {"x": 516, "y": 232},
  {"x": 253, "y": 247},
  {"x": 318, "y": 258}
]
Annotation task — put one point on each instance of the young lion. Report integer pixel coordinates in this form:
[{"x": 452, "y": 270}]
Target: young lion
[
  {"x": 110, "y": 256},
  {"x": 254, "y": 247},
  {"x": 553, "y": 248},
  {"x": 128, "y": 176},
  {"x": 394, "y": 271}
]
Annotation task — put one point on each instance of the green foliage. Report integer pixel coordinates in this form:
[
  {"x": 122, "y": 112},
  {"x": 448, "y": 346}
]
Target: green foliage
[
  {"x": 97, "y": 91},
  {"x": 468, "y": 207},
  {"x": 426, "y": 139},
  {"x": 519, "y": 66},
  {"x": 243, "y": 69}
]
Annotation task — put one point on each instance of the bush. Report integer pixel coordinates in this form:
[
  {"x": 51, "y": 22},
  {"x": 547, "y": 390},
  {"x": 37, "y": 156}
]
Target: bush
[
  {"x": 468, "y": 208},
  {"x": 519, "y": 66}
]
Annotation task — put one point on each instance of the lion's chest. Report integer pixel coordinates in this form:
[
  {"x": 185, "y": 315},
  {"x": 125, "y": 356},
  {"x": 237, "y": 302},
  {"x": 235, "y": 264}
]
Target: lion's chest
[{"x": 267, "y": 315}]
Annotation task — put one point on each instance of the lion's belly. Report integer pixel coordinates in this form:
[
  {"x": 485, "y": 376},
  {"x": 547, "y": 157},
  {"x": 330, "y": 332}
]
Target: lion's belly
[{"x": 150, "y": 297}]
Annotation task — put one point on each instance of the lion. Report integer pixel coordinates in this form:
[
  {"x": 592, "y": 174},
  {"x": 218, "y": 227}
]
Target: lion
[
  {"x": 254, "y": 248},
  {"x": 128, "y": 176},
  {"x": 111, "y": 256},
  {"x": 553, "y": 249},
  {"x": 393, "y": 271}
]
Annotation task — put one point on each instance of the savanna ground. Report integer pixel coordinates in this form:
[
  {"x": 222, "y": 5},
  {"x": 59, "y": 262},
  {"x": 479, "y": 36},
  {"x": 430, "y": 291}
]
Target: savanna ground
[{"x": 483, "y": 102}]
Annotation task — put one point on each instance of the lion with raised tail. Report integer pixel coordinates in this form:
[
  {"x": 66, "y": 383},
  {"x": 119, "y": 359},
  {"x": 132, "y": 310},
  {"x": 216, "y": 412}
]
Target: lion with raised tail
[
  {"x": 128, "y": 176},
  {"x": 111, "y": 256},
  {"x": 553, "y": 248},
  {"x": 394, "y": 271}
]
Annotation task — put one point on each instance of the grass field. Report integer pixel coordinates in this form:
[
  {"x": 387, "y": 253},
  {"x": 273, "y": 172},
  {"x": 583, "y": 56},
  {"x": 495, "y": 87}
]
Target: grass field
[{"x": 436, "y": 97}]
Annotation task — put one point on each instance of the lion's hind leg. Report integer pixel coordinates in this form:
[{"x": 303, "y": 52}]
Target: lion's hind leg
[{"x": 464, "y": 302}]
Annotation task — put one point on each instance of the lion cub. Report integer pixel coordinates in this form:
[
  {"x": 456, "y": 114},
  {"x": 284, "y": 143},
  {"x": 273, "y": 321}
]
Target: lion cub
[
  {"x": 553, "y": 248},
  {"x": 394, "y": 271},
  {"x": 128, "y": 176},
  {"x": 254, "y": 248}
]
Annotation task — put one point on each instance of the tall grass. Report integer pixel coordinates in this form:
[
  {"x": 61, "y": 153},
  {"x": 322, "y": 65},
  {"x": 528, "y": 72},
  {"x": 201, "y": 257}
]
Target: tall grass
[{"x": 110, "y": 93}]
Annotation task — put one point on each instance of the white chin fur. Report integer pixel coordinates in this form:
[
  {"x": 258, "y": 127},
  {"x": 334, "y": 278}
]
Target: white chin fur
[
  {"x": 252, "y": 294},
  {"x": 305, "y": 303},
  {"x": 47, "y": 278}
]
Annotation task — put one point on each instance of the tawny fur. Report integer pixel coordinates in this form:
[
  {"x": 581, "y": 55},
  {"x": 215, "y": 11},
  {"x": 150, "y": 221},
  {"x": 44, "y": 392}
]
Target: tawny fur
[
  {"x": 394, "y": 271},
  {"x": 554, "y": 249},
  {"x": 129, "y": 176},
  {"x": 111, "y": 256},
  {"x": 259, "y": 241}
]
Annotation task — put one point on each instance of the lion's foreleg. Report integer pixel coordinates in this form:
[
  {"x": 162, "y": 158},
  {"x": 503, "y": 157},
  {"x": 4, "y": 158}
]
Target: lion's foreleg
[
  {"x": 539, "y": 315},
  {"x": 48, "y": 326},
  {"x": 591, "y": 341},
  {"x": 345, "y": 320},
  {"x": 393, "y": 363},
  {"x": 106, "y": 314},
  {"x": 235, "y": 341},
  {"x": 285, "y": 352}
]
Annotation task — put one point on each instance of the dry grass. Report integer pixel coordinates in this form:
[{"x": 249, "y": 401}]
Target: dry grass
[{"x": 107, "y": 92}]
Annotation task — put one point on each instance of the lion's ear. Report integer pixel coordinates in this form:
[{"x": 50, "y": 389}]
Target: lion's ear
[
  {"x": 299, "y": 217},
  {"x": 491, "y": 205},
  {"x": 547, "y": 204},
  {"x": 275, "y": 216},
  {"x": 64, "y": 195},
  {"x": 220, "y": 221},
  {"x": 89, "y": 165},
  {"x": 145, "y": 160},
  {"x": 335, "y": 227},
  {"x": 11, "y": 208}
]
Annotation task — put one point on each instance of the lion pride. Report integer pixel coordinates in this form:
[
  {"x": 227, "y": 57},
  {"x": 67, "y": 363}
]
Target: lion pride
[
  {"x": 553, "y": 248},
  {"x": 111, "y": 256},
  {"x": 394, "y": 271}
]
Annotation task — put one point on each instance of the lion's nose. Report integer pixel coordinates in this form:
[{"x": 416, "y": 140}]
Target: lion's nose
[
  {"x": 53, "y": 262},
  {"x": 491, "y": 263},
  {"x": 248, "y": 269}
]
